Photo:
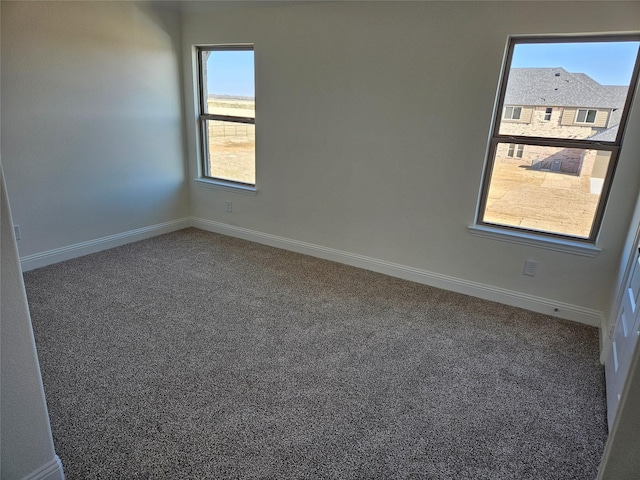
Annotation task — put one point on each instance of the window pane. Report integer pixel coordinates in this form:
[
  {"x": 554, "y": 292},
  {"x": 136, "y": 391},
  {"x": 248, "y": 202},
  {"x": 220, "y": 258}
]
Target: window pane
[
  {"x": 228, "y": 82},
  {"x": 549, "y": 189},
  {"x": 582, "y": 114},
  {"x": 519, "y": 151},
  {"x": 587, "y": 82},
  {"x": 231, "y": 151},
  {"x": 516, "y": 113}
]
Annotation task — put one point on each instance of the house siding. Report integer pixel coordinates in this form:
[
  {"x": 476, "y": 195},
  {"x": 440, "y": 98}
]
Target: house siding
[
  {"x": 556, "y": 127},
  {"x": 601, "y": 118},
  {"x": 568, "y": 116}
]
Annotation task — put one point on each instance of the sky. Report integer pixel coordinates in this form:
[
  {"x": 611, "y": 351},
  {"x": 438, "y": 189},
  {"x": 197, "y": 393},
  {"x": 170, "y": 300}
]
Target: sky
[
  {"x": 230, "y": 72},
  {"x": 608, "y": 63}
]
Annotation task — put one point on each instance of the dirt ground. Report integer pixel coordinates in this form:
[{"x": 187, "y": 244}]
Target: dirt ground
[
  {"x": 541, "y": 200},
  {"x": 231, "y": 144},
  {"x": 232, "y": 151}
]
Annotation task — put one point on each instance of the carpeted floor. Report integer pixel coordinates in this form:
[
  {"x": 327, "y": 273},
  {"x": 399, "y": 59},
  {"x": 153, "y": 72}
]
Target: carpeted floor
[{"x": 195, "y": 355}]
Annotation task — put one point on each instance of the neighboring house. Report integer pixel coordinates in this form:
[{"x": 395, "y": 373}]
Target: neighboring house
[{"x": 551, "y": 102}]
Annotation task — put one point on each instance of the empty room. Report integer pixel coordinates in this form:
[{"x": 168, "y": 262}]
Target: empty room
[{"x": 320, "y": 239}]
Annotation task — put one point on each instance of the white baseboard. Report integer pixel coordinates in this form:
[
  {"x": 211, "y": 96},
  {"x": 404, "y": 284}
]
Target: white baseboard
[
  {"x": 37, "y": 260},
  {"x": 475, "y": 289},
  {"x": 51, "y": 470},
  {"x": 488, "y": 292}
]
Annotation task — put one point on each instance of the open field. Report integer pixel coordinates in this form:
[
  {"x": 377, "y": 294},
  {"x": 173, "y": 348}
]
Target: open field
[
  {"x": 236, "y": 107},
  {"x": 541, "y": 200},
  {"x": 232, "y": 144}
]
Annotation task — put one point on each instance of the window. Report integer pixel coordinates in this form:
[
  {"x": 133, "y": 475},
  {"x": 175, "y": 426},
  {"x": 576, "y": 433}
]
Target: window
[
  {"x": 560, "y": 187},
  {"x": 512, "y": 113},
  {"x": 227, "y": 114},
  {"x": 586, "y": 116},
  {"x": 515, "y": 150}
]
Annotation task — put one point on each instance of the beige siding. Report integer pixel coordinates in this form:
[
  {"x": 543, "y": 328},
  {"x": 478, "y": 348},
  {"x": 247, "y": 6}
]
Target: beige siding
[
  {"x": 601, "y": 118},
  {"x": 525, "y": 116},
  {"x": 568, "y": 116}
]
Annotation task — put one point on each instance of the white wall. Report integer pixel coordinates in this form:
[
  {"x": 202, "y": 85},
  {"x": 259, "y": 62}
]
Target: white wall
[
  {"x": 372, "y": 123},
  {"x": 92, "y": 120},
  {"x": 26, "y": 444}
]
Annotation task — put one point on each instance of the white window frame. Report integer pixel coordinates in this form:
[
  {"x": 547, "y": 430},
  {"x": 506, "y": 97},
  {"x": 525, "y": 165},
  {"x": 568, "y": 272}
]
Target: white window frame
[
  {"x": 547, "y": 113},
  {"x": 203, "y": 117},
  {"x": 513, "y": 108},
  {"x": 586, "y": 116},
  {"x": 515, "y": 150},
  {"x": 550, "y": 240}
]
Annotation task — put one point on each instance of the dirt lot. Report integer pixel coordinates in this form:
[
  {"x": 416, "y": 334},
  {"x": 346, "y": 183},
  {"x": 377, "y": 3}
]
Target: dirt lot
[
  {"x": 231, "y": 144},
  {"x": 547, "y": 201},
  {"x": 232, "y": 151}
]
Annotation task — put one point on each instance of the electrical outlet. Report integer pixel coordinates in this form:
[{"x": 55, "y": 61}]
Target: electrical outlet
[
  {"x": 229, "y": 206},
  {"x": 16, "y": 230},
  {"x": 530, "y": 267}
]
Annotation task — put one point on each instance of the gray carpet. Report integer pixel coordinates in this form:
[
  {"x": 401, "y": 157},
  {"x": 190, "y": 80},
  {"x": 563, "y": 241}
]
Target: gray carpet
[{"x": 195, "y": 355}]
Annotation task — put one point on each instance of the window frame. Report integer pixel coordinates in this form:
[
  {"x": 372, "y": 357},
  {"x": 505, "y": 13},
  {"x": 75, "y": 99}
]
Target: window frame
[
  {"x": 586, "y": 116},
  {"x": 203, "y": 117},
  {"x": 515, "y": 150},
  {"x": 529, "y": 236},
  {"x": 513, "y": 110},
  {"x": 548, "y": 112}
]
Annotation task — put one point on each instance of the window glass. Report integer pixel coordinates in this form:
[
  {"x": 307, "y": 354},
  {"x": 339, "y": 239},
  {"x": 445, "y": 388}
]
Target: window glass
[
  {"x": 228, "y": 83},
  {"x": 519, "y": 151},
  {"x": 587, "y": 81},
  {"x": 586, "y": 116},
  {"x": 512, "y": 113},
  {"x": 231, "y": 151},
  {"x": 550, "y": 171},
  {"x": 227, "y": 113},
  {"x": 547, "y": 189}
]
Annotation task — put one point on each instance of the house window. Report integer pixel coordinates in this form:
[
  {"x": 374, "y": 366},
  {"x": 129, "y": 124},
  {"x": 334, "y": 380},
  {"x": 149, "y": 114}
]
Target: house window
[
  {"x": 515, "y": 150},
  {"x": 586, "y": 116},
  {"x": 512, "y": 113},
  {"x": 560, "y": 189},
  {"x": 227, "y": 114}
]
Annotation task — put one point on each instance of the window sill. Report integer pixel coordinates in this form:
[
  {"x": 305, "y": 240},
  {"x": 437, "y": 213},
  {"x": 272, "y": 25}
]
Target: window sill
[
  {"x": 229, "y": 186},
  {"x": 533, "y": 240}
]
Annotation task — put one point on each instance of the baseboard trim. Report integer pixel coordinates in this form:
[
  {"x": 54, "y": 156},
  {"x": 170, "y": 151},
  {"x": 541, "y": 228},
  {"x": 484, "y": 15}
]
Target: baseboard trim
[
  {"x": 475, "y": 289},
  {"x": 37, "y": 260},
  {"x": 51, "y": 470}
]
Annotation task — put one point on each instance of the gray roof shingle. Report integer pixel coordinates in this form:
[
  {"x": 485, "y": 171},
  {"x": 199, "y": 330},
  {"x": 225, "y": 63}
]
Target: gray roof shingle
[{"x": 555, "y": 87}]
